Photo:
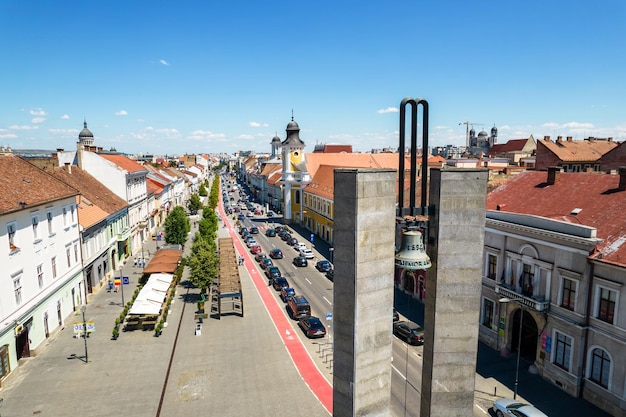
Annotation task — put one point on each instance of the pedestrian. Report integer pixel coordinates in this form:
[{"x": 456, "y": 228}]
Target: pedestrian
[
  {"x": 110, "y": 286},
  {"x": 135, "y": 262}
]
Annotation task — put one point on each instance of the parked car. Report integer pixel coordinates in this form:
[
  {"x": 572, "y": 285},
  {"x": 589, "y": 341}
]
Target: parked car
[
  {"x": 298, "y": 307},
  {"x": 323, "y": 266},
  {"x": 276, "y": 254},
  {"x": 254, "y": 249},
  {"x": 241, "y": 217},
  {"x": 254, "y": 230},
  {"x": 266, "y": 263},
  {"x": 307, "y": 253},
  {"x": 330, "y": 274},
  {"x": 278, "y": 228},
  {"x": 272, "y": 272},
  {"x": 287, "y": 292},
  {"x": 280, "y": 283},
  {"x": 300, "y": 261},
  {"x": 312, "y": 327},
  {"x": 291, "y": 241},
  {"x": 410, "y": 332},
  {"x": 270, "y": 232},
  {"x": 510, "y": 407},
  {"x": 396, "y": 316},
  {"x": 242, "y": 230},
  {"x": 259, "y": 257},
  {"x": 251, "y": 242},
  {"x": 284, "y": 235},
  {"x": 299, "y": 246}
]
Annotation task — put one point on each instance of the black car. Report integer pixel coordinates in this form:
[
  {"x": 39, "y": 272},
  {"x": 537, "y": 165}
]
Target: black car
[
  {"x": 270, "y": 232},
  {"x": 266, "y": 263},
  {"x": 330, "y": 274},
  {"x": 284, "y": 235},
  {"x": 291, "y": 241},
  {"x": 323, "y": 266},
  {"x": 272, "y": 272},
  {"x": 276, "y": 254},
  {"x": 280, "y": 283},
  {"x": 278, "y": 228},
  {"x": 243, "y": 230},
  {"x": 312, "y": 327},
  {"x": 396, "y": 316},
  {"x": 410, "y": 332},
  {"x": 254, "y": 230},
  {"x": 259, "y": 257},
  {"x": 300, "y": 261}
]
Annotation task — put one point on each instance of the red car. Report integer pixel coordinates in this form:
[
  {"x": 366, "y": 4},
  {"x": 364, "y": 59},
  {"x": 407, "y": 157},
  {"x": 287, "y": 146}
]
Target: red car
[{"x": 255, "y": 249}]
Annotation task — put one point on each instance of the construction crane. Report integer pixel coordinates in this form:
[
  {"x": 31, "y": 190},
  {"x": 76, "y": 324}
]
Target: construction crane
[{"x": 467, "y": 125}]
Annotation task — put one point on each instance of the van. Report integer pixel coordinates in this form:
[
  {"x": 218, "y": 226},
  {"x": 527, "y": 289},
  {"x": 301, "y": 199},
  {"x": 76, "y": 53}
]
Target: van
[{"x": 298, "y": 307}]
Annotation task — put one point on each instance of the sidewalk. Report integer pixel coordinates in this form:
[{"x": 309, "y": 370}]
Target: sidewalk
[{"x": 222, "y": 371}]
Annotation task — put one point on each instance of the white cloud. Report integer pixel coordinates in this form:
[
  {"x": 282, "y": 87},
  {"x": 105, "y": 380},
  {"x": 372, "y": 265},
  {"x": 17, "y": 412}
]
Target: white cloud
[
  {"x": 577, "y": 125},
  {"x": 257, "y": 124},
  {"x": 23, "y": 127},
  {"x": 64, "y": 131},
  {"x": 65, "y": 117},
  {"x": 121, "y": 113},
  {"x": 388, "y": 110},
  {"x": 205, "y": 135},
  {"x": 164, "y": 62},
  {"x": 140, "y": 120},
  {"x": 245, "y": 137},
  {"x": 38, "y": 112},
  {"x": 8, "y": 136},
  {"x": 38, "y": 120}
]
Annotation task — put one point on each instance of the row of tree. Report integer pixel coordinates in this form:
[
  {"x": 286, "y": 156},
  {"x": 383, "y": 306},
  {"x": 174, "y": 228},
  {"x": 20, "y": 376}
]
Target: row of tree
[{"x": 204, "y": 259}]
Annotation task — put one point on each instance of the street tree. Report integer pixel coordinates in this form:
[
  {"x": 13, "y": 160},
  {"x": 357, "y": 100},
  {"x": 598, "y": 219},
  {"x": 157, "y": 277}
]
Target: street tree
[
  {"x": 177, "y": 226},
  {"x": 203, "y": 263},
  {"x": 194, "y": 204}
]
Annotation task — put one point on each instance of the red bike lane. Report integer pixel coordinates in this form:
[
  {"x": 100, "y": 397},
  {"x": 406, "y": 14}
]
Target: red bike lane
[{"x": 300, "y": 356}]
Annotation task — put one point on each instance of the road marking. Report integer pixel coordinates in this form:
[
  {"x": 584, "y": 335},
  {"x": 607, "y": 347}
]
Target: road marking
[
  {"x": 326, "y": 299},
  {"x": 481, "y": 409},
  {"x": 307, "y": 280}
]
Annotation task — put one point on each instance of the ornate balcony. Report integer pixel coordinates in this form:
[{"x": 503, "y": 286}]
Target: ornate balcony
[{"x": 528, "y": 302}]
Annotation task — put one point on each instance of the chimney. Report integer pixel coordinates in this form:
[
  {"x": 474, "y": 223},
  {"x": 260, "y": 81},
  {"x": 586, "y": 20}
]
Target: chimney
[
  {"x": 546, "y": 138},
  {"x": 592, "y": 139},
  {"x": 79, "y": 154},
  {"x": 559, "y": 138},
  {"x": 553, "y": 175},
  {"x": 622, "y": 178},
  {"x": 610, "y": 140},
  {"x": 569, "y": 139},
  {"x": 68, "y": 167}
]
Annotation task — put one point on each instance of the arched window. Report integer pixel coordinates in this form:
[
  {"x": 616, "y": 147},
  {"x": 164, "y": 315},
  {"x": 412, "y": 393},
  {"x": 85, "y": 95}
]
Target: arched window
[{"x": 600, "y": 367}]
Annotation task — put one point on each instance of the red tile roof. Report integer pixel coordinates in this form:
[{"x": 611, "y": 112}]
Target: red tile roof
[
  {"x": 595, "y": 195},
  {"x": 576, "y": 150},
  {"x": 123, "y": 162},
  {"x": 21, "y": 181}
]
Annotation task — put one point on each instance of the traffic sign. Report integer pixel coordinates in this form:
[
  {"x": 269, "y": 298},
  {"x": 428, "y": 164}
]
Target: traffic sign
[
  {"x": 329, "y": 316},
  {"x": 312, "y": 237},
  {"x": 125, "y": 281}
]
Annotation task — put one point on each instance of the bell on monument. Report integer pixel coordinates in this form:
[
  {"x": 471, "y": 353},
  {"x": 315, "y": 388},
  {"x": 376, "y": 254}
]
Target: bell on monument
[{"x": 412, "y": 254}]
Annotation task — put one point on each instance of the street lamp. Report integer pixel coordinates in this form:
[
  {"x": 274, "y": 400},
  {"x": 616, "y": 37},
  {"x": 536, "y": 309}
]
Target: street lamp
[
  {"x": 519, "y": 341},
  {"x": 82, "y": 309}
]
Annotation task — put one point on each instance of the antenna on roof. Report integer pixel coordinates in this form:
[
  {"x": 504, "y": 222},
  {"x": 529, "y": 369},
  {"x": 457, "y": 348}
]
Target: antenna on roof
[{"x": 292, "y": 115}]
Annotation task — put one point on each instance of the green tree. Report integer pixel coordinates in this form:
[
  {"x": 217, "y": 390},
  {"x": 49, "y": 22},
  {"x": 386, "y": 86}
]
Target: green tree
[
  {"x": 194, "y": 204},
  {"x": 203, "y": 263},
  {"x": 177, "y": 226},
  {"x": 203, "y": 191}
]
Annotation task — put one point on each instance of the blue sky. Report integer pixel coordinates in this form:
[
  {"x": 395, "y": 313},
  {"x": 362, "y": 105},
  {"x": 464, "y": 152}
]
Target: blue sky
[{"x": 220, "y": 76}]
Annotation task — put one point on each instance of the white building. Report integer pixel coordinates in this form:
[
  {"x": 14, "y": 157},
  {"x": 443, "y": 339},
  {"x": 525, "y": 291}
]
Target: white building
[{"x": 41, "y": 279}]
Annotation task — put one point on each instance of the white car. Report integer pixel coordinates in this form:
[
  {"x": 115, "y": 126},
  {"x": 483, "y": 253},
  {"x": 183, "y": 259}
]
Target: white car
[
  {"x": 509, "y": 407},
  {"x": 307, "y": 253},
  {"x": 299, "y": 246}
]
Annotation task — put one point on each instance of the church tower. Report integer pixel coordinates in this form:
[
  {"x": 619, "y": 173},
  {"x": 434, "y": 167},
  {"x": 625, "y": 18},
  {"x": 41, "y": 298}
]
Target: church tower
[
  {"x": 275, "y": 146},
  {"x": 294, "y": 176},
  {"x": 85, "y": 137}
]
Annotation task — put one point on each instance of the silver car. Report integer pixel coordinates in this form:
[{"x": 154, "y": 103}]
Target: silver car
[{"x": 510, "y": 407}]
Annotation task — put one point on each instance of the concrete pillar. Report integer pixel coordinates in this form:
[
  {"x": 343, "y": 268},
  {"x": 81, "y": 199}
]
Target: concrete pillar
[
  {"x": 453, "y": 285},
  {"x": 363, "y": 291}
]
